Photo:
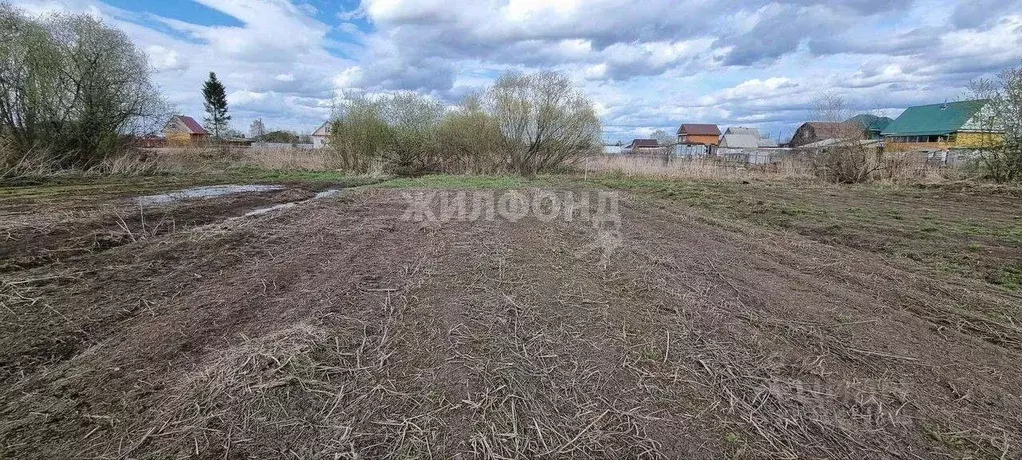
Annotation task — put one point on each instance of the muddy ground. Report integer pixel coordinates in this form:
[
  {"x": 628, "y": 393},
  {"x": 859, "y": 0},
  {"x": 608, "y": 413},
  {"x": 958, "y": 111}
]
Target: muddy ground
[{"x": 335, "y": 329}]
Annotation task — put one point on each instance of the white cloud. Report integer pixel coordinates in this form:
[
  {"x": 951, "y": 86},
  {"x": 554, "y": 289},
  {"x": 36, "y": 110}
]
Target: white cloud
[{"x": 646, "y": 66}]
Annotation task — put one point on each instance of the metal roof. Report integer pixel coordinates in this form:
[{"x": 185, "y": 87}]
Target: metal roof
[
  {"x": 644, "y": 143},
  {"x": 934, "y": 119},
  {"x": 742, "y": 130},
  {"x": 739, "y": 141},
  {"x": 190, "y": 123},
  {"x": 870, "y": 122},
  {"x": 697, "y": 129}
]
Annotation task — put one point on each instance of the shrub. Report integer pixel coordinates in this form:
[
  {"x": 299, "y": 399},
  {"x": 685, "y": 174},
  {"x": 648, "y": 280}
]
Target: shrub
[
  {"x": 846, "y": 164},
  {"x": 413, "y": 145},
  {"x": 544, "y": 122},
  {"x": 469, "y": 140},
  {"x": 359, "y": 134},
  {"x": 524, "y": 124}
]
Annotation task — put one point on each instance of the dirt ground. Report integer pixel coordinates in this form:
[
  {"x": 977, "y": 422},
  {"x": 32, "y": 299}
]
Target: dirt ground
[{"x": 336, "y": 329}]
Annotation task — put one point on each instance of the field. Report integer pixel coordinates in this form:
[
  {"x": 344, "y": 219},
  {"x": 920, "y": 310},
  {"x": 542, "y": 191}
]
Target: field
[{"x": 737, "y": 319}]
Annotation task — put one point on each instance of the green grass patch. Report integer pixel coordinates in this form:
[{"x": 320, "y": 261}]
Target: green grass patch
[
  {"x": 875, "y": 219},
  {"x": 1009, "y": 277}
]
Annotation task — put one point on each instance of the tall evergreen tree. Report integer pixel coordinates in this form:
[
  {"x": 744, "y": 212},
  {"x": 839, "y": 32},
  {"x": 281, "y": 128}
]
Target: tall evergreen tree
[{"x": 216, "y": 105}]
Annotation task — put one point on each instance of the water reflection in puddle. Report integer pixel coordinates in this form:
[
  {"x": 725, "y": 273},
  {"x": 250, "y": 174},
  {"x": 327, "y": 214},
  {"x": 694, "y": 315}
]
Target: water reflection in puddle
[{"x": 204, "y": 192}]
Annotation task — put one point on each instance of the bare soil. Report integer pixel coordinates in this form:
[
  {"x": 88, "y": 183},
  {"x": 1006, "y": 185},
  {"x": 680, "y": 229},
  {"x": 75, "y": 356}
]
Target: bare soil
[{"x": 335, "y": 329}]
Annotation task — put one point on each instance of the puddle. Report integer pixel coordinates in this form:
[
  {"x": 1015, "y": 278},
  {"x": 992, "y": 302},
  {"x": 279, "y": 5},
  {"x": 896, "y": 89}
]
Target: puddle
[
  {"x": 259, "y": 211},
  {"x": 321, "y": 195},
  {"x": 205, "y": 192},
  {"x": 327, "y": 194}
]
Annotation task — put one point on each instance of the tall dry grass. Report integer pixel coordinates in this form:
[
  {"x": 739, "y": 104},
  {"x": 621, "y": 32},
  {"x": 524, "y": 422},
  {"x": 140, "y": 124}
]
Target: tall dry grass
[
  {"x": 891, "y": 169},
  {"x": 707, "y": 168},
  {"x": 206, "y": 159},
  {"x": 38, "y": 163}
]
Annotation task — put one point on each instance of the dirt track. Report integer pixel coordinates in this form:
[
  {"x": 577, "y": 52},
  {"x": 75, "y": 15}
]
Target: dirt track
[{"x": 336, "y": 329}]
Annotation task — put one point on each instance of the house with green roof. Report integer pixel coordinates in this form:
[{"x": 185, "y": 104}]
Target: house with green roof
[
  {"x": 962, "y": 124},
  {"x": 872, "y": 125}
]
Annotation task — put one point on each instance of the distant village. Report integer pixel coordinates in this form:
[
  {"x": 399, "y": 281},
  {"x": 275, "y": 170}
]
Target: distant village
[
  {"x": 937, "y": 129},
  {"x": 941, "y": 130}
]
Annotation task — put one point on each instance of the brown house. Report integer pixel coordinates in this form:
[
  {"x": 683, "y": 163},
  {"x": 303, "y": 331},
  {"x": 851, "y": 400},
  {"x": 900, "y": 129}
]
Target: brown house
[
  {"x": 702, "y": 134},
  {"x": 183, "y": 130},
  {"x": 642, "y": 146},
  {"x": 816, "y": 131}
]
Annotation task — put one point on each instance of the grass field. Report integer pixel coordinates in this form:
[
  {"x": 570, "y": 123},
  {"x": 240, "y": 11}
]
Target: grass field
[{"x": 740, "y": 319}]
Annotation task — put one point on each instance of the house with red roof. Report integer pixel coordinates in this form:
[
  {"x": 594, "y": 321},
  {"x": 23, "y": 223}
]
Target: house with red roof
[
  {"x": 183, "y": 130},
  {"x": 699, "y": 134}
]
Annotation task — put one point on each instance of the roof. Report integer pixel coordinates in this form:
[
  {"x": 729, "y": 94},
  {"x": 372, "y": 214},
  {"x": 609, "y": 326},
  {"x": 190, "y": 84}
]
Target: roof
[
  {"x": 934, "y": 119},
  {"x": 834, "y": 129},
  {"x": 190, "y": 124},
  {"x": 767, "y": 142},
  {"x": 697, "y": 129},
  {"x": 739, "y": 141},
  {"x": 323, "y": 130},
  {"x": 870, "y": 122},
  {"x": 742, "y": 130},
  {"x": 644, "y": 143}
]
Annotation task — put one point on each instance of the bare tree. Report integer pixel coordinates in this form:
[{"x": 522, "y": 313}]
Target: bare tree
[
  {"x": 829, "y": 107},
  {"x": 848, "y": 159},
  {"x": 257, "y": 130},
  {"x": 544, "y": 122},
  {"x": 665, "y": 143},
  {"x": 1000, "y": 154}
]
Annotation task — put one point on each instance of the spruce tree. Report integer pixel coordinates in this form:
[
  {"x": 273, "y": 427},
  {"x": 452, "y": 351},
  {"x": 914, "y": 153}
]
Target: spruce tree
[{"x": 215, "y": 96}]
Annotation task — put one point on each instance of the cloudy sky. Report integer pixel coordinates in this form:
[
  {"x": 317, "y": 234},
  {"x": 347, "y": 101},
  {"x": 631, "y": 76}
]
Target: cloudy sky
[{"x": 647, "y": 65}]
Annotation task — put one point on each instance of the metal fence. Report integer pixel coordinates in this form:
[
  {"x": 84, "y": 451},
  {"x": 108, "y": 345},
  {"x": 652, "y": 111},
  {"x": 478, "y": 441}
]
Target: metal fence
[
  {"x": 753, "y": 156},
  {"x": 281, "y": 145}
]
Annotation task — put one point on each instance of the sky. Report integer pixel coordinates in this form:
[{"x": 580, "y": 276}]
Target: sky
[{"x": 645, "y": 65}]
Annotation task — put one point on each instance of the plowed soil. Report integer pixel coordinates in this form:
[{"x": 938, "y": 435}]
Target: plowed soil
[{"x": 336, "y": 329}]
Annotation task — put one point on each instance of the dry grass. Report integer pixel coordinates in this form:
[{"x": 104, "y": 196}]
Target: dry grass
[
  {"x": 912, "y": 167},
  {"x": 343, "y": 332},
  {"x": 287, "y": 158},
  {"x": 211, "y": 159},
  {"x": 895, "y": 168},
  {"x": 697, "y": 168}
]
